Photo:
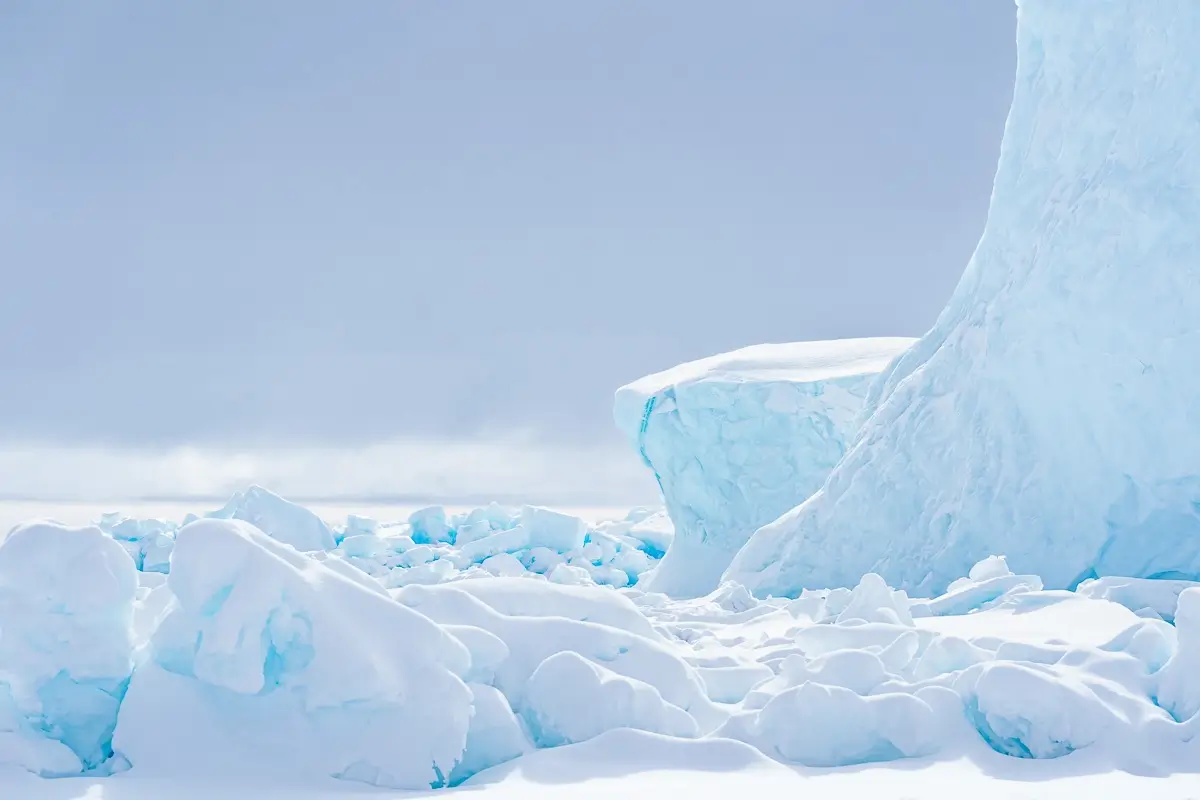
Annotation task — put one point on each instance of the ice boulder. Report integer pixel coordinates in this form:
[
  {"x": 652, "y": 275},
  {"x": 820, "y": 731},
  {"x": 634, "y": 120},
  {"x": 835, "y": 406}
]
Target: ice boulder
[
  {"x": 737, "y": 439},
  {"x": 1050, "y": 414},
  {"x": 556, "y": 715},
  {"x": 830, "y": 726},
  {"x": 280, "y": 519},
  {"x": 271, "y": 657},
  {"x": 66, "y": 646}
]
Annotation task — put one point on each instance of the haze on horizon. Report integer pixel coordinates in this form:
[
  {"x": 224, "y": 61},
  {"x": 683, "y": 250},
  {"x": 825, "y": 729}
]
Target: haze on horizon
[{"x": 413, "y": 248}]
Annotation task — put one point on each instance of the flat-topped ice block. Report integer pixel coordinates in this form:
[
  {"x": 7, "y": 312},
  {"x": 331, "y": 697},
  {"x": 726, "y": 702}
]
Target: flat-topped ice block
[
  {"x": 737, "y": 439},
  {"x": 1053, "y": 412}
]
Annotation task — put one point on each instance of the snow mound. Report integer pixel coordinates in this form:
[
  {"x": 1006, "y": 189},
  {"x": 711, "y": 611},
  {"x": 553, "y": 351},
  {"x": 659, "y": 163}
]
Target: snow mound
[
  {"x": 288, "y": 653},
  {"x": 737, "y": 439},
  {"x": 556, "y": 716},
  {"x": 531, "y": 640},
  {"x": 66, "y": 646},
  {"x": 1050, "y": 413},
  {"x": 830, "y": 726}
]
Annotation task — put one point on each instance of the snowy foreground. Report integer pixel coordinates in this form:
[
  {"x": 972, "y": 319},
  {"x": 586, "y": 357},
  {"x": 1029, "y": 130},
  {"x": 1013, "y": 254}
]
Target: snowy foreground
[{"x": 234, "y": 665}]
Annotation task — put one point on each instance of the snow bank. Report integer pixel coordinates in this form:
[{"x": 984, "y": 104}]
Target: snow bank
[
  {"x": 737, "y": 439},
  {"x": 66, "y": 646},
  {"x": 286, "y": 655},
  {"x": 1050, "y": 413}
]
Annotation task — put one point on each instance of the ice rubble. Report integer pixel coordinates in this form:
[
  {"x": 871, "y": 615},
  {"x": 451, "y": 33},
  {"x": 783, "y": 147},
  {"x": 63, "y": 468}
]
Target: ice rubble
[
  {"x": 1050, "y": 413},
  {"x": 279, "y": 664},
  {"x": 737, "y": 439}
]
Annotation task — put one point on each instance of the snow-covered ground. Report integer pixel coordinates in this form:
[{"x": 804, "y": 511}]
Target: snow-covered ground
[{"x": 239, "y": 666}]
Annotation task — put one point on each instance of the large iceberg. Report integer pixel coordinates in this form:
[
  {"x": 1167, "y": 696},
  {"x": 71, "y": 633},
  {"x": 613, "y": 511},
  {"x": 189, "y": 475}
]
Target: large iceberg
[
  {"x": 1053, "y": 412},
  {"x": 737, "y": 439}
]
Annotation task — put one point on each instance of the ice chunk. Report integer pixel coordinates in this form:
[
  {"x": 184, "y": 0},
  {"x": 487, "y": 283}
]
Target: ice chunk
[
  {"x": 280, "y": 519},
  {"x": 495, "y": 735},
  {"x": 1050, "y": 413},
  {"x": 429, "y": 526},
  {"x": 987, "y": 584},
  {"x": 294, "y": 654},
  {"x": 737, "y": 439},
  {"x": 874, "y": 601},
  {"x": 66, "y": 644},
  {"x": 829, "y": 726},
  {"x": 1179, "y": 689},
  {"x": 556, "y": 716},
  {"x": 552, "y": 529},
  {"x": 1028, "y": 713},
  {"x": 1162, "y": 596},
  {"x": 504, "y": 565}
]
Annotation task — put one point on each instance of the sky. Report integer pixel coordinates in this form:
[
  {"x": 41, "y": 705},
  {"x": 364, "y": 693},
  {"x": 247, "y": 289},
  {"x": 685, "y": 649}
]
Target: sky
[{"x": 411, "y": 248}]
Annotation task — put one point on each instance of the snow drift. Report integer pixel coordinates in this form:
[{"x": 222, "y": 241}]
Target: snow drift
[
  {"x": 1051, "y": 413},
  {"x": 737, "y": 439}
]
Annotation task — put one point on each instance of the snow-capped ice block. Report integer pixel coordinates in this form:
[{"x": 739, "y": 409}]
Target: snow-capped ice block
[
  {"x": 1051, "y": 413},
  {"x": 830, "y": 726},
  {"x": 295, "y": 662},
  {"x": 280, "y": 519},
  {"x": 556, "y": 716},
  {"x": 737, "y": 439},
  {"x": 66, "y": 645}
]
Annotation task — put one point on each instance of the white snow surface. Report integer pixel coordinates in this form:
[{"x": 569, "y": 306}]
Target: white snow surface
[
  {"x": 1050, "y": 414},
  {"x": 253, "y": 669},
  {"x": 738, "y": 438}
]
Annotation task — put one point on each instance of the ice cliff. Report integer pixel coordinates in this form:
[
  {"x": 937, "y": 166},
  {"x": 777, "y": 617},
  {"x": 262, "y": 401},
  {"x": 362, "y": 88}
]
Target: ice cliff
[
  {"x": 1053, "y": 411},
  {"x": 737, "y": 439}
]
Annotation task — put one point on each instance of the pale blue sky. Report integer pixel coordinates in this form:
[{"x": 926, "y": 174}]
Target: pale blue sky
[{"x": 296, "y": 223}]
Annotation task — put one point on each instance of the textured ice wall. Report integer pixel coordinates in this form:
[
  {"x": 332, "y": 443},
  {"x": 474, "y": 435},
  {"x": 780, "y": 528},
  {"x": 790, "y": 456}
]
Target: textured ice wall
[
  {"x": 737, "y": 439},
  {"x": 1053, "y": 412}
]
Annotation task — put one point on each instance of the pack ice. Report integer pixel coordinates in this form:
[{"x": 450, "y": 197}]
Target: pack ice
[
  {"x": 738, "y": 438},
  {"x": 251, "y": 663},
  {"x": 1052, "y": 411}
]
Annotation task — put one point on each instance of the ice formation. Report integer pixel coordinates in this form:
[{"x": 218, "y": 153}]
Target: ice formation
[
  {"x": 737, "y": 439},
  {"x": 66, "y": 646},
  {"x": 286, "y": 666},
  {"x": 285, "y": 655},
  {"x": 1051, "y": 412}
]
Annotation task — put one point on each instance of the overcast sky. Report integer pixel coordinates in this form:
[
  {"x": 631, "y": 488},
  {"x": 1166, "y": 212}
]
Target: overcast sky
[{"x": 255, "y": 229}]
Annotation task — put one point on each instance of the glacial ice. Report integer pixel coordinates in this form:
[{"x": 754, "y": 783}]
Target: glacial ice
[
  {"x": 1050, "y": 414},
  {"x": 738, "y": 438}
]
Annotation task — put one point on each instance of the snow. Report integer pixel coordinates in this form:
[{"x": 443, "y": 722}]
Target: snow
[
  {"x": 1049, "y": 414},
  {"x": 738, "y": 438}
]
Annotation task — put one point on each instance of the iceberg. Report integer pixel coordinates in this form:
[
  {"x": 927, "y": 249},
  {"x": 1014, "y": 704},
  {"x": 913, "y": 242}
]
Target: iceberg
[
  {"x": 1051, "y": 413},
  {"x": 737, "y": 439}
]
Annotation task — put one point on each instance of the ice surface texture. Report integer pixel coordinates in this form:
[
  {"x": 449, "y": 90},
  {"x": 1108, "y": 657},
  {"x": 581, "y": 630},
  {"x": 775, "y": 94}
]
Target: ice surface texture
[
  {"x": 1053, "y": 412},
  {"x": 737, "y": 439}
]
